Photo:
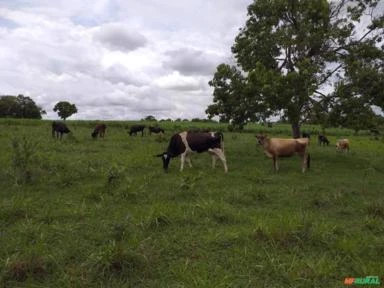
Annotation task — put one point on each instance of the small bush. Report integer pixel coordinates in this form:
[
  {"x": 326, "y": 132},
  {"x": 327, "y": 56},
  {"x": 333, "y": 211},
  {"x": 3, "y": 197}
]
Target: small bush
[
  {"x": 23, "y": 156},
  {"x": 113, "y": 260},
  {"x": 115, "y": 176}
]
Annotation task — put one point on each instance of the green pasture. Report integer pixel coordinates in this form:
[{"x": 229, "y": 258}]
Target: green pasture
[{"x": 102, "y": 213}]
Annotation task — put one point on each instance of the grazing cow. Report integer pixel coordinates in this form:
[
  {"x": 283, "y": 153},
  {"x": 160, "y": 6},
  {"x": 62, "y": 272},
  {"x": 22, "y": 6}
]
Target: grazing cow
[
  {"x": 59, "y": 128},
  {"x": 322, "y": 140},
  {"x": 278, "y": 147},
  {"x": 375, "y": 133},
  {"x": 342, "y": 145},
  {"x": 99, "y": 131},
  {"x": 137, "y": 128},
  {"x": 155, "y": 130},
  {"x": 185, "y": 143}
]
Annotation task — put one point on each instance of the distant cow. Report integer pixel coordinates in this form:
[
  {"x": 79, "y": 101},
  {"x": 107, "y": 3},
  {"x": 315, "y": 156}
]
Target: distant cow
[
  {"x": 342, "y": 145},
  {"x": 322, "y": 140},
  {"x": 375, "y": 133},
  {"x": 99, "y": 131},
  {"x": 136, "y": 128},
  {"x": 155, "y": 130},
  {"x": 185, "y": 143},
  {"x": 58, "y": 128},
  {"x": 278, "y": 147}
]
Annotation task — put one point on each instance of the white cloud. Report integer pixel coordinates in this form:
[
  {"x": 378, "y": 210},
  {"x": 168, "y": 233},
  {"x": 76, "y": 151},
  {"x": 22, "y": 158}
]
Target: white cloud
[
  {"x": 175, "y": 81},
  {"x": 117, "y": 59},
  {"x": 192, "y": 62},
  {"x": 119, "y": 36}
]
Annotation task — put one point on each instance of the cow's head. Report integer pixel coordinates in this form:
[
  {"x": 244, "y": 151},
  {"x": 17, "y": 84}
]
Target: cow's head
[
  {"x": 166, "y": 159},
  {"x": 94, "y": 134},
  {"x": 261, "y": 138}
]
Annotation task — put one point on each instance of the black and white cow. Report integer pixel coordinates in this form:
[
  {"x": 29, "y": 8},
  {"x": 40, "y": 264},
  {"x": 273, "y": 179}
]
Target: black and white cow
[
  {"x": 136, "y": 128},
  {"x": 59, "y": 128},
  {"x": 185, "y": 143}
]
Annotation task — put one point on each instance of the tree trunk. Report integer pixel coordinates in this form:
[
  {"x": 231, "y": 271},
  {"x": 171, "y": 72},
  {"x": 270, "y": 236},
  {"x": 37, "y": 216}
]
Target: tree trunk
[{"x": 295, "y": 130}]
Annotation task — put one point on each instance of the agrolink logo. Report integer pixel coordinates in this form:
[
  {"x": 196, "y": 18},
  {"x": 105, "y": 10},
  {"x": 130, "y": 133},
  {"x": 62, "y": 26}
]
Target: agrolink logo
[{"x": 369, "y": 280}]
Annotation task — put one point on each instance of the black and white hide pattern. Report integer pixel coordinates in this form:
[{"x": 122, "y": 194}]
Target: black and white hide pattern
[{"x": 185, "y": 143}]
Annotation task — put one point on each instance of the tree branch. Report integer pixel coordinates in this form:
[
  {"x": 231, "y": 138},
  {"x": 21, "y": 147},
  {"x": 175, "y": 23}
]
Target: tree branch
[{"x": 330, "y": 74}]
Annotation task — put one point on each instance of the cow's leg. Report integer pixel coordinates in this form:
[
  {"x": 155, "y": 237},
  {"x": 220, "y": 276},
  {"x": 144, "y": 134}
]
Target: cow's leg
[
  {"x": 217, "y": 152},
  {"x": 182, "y": 159},
  {"x": 275, "y": 164},
  {"x": 304, "y": 160},
  {"x": 214, "y": 158}
]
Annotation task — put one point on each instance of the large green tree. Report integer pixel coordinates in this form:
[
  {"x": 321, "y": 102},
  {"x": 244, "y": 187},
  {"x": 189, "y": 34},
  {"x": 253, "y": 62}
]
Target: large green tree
[
  {"x": 350, "y": 111},
  {"x": 289, "y": 51},
  {"x": 19, "y": 107},
  {"x": 65, "y": 109}
]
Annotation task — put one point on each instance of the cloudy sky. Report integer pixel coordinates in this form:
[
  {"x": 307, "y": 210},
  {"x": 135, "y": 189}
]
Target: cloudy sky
[{"x": 117, "y": 59}]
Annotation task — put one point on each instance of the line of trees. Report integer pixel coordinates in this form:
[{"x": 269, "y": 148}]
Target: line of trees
[
  {"x": 24, "y": 107},
  {"x": 288, "y": 53},
  {"x": 19, "y": 107}
]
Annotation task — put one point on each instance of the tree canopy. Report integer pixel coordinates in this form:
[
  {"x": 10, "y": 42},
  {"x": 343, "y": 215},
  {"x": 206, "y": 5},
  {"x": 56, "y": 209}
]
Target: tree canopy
[
  {"x": 290, "y": 52},
  {"x": 150, "y": 118},
  {"x": 65, "y": 109},
  {"x": 19, "y": 107}
]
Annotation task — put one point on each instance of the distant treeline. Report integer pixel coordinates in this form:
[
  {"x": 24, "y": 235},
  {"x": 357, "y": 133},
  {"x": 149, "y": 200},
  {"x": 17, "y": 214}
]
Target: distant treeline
[{"x": 19, "y": 107}]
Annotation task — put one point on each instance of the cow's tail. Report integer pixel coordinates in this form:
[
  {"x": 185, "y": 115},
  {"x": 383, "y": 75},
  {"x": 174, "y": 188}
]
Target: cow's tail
[
  {"x": 221, "y": 136},
  {"x": 308, "y": 160}
]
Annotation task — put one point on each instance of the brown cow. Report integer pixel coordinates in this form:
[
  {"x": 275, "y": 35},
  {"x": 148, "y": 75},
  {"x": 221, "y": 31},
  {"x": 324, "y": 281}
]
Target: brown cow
[
  {"x": 342, "y": 145},
  {"x": 99, "y": 131},
  {"x": 278, "y": 147}
]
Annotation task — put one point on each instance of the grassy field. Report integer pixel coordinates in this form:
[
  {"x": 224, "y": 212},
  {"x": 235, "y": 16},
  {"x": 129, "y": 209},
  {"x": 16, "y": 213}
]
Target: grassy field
[{"x": 85, "y": 213}]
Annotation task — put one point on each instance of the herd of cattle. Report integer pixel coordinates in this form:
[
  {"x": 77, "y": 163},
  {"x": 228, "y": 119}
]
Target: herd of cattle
[{"x": 185, "y": 143}]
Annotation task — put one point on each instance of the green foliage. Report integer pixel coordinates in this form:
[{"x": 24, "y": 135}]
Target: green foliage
[
  {"x": 150, "y": 118},
  {"x": 65, "y": 109},
  {"x": 284, "y": 57},
  {"x": 364, "y": 74},
  {"x": 351, "y": 110},
  {"x": 19, "y": 107}
]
